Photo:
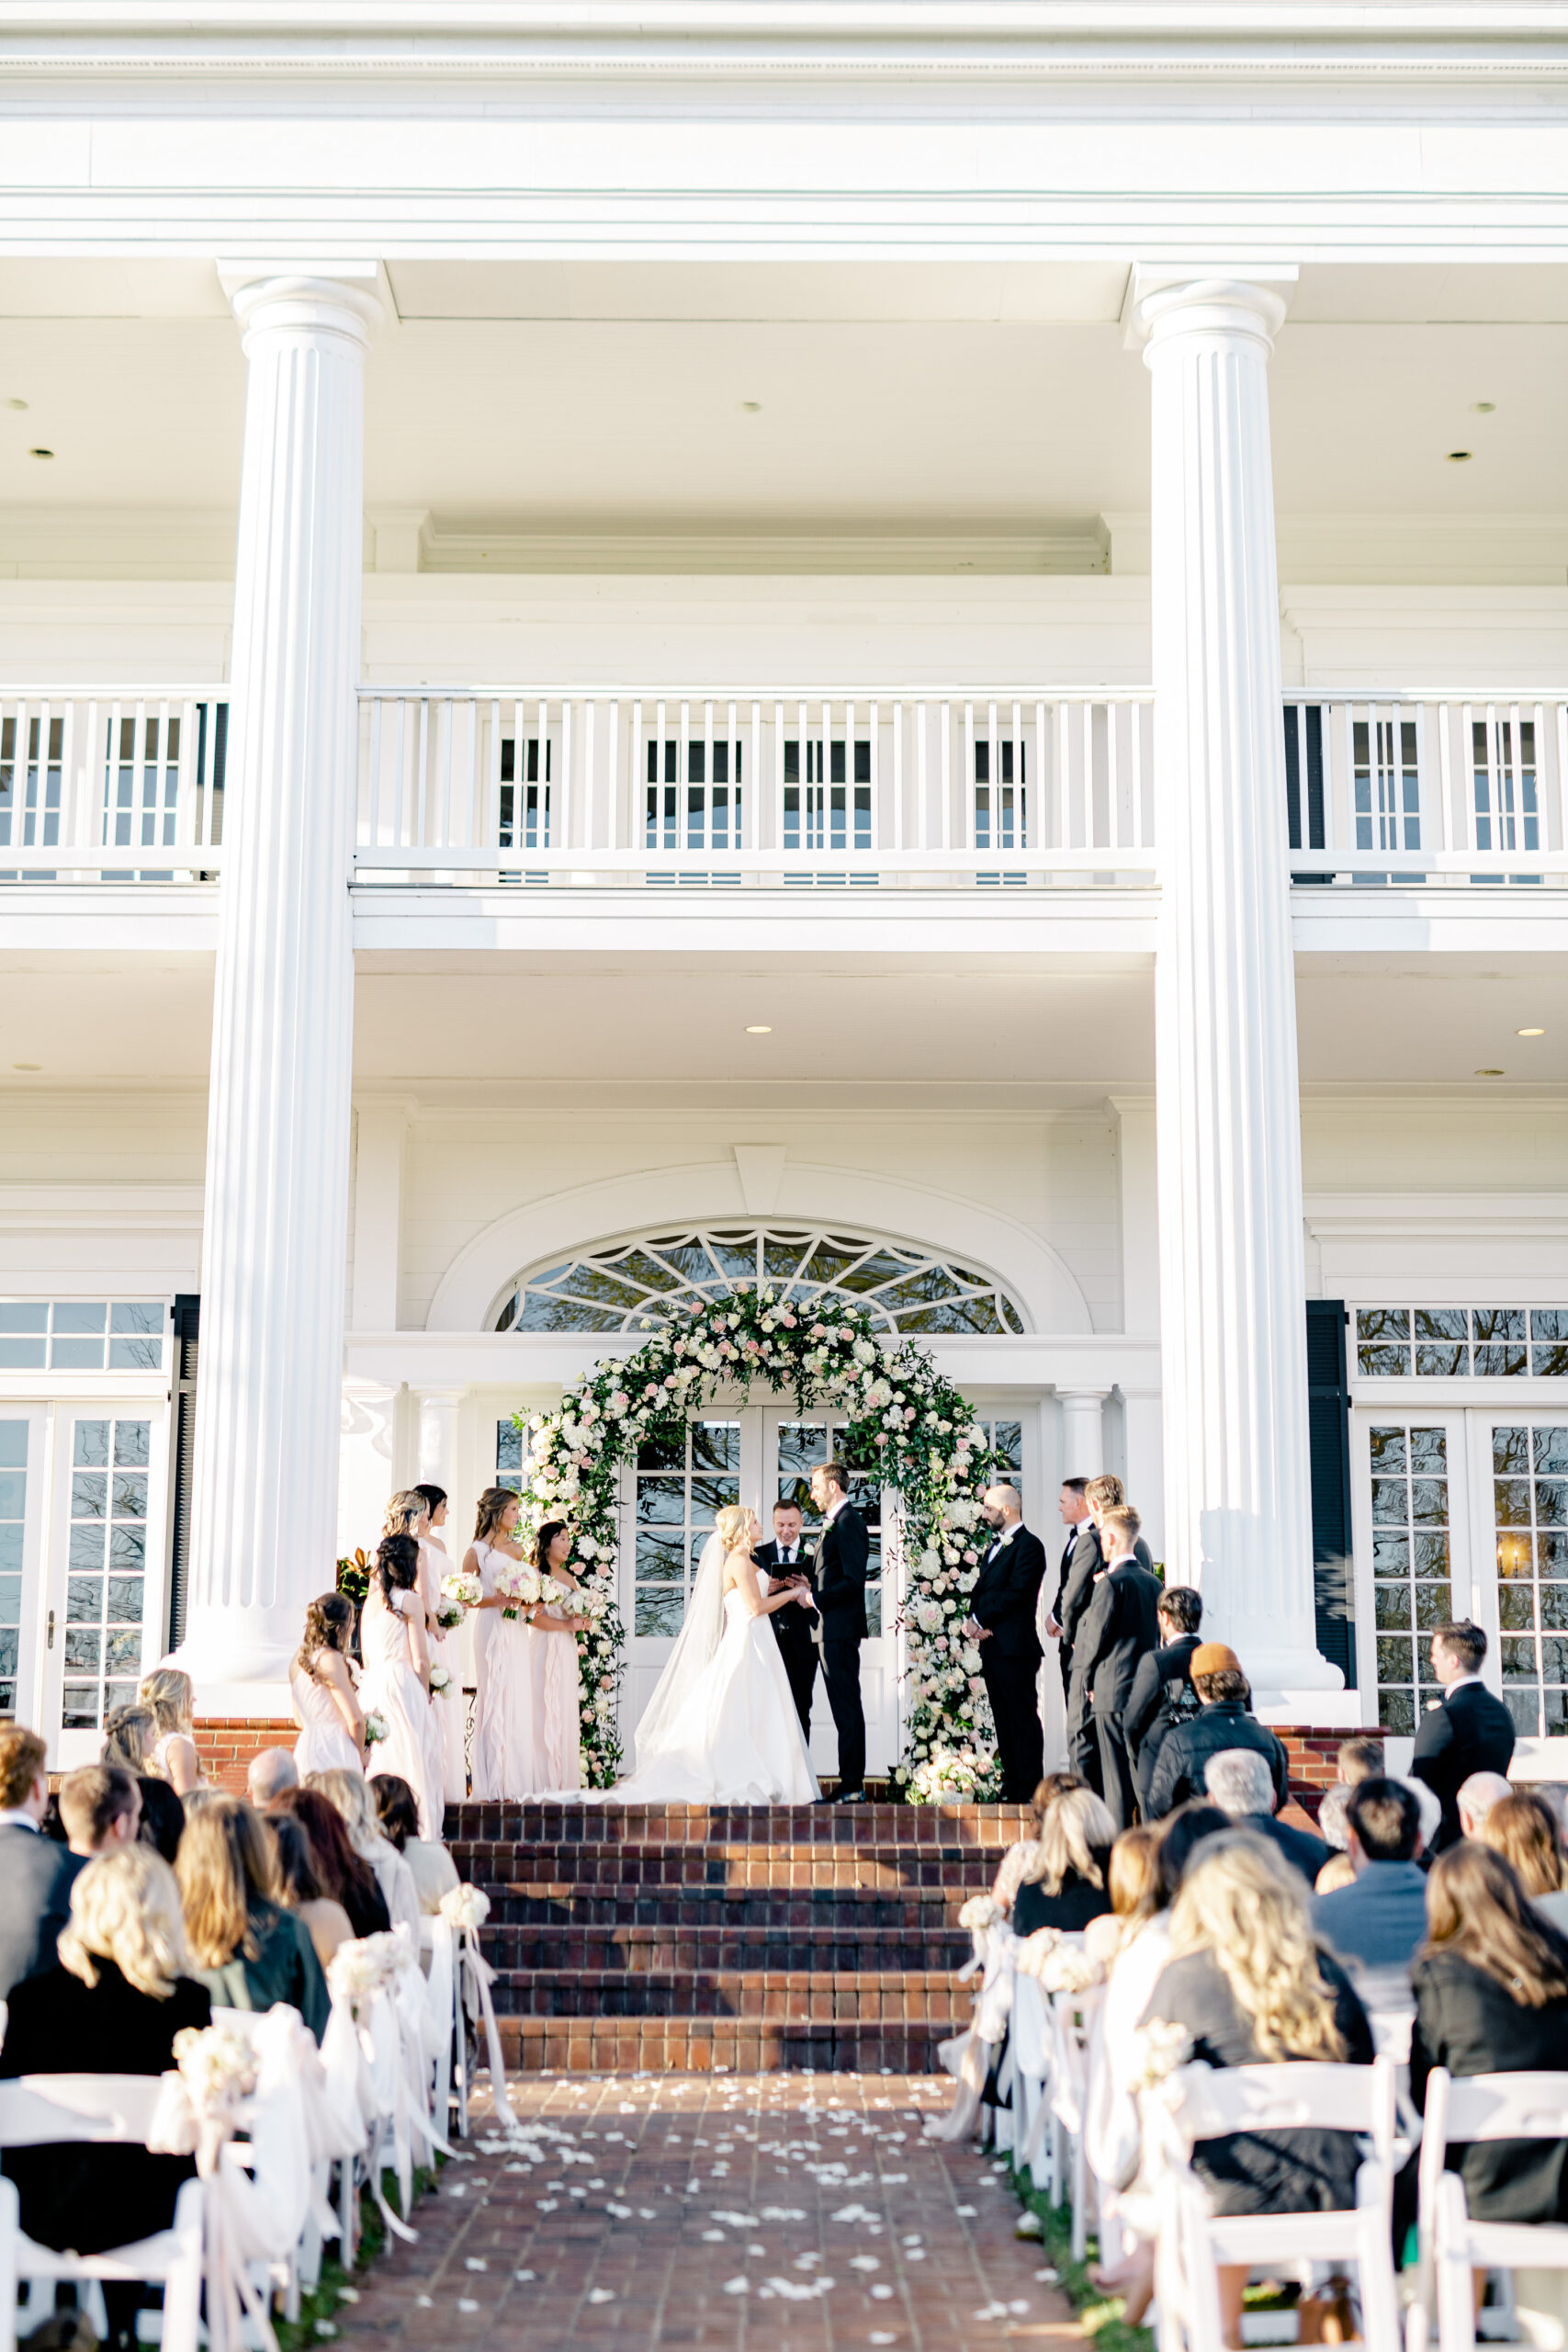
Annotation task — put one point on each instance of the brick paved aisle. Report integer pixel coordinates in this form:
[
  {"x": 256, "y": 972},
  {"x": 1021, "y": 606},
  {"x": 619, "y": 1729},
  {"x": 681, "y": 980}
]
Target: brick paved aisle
[{"x": 767, "y": 2214}]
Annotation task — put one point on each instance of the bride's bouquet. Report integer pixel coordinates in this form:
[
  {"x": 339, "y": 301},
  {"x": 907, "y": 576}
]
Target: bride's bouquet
[
  {"x": 459, "y": 1593},
  {"x": 440, "y": 1681},
  {"x": 521, "y": 1585}
]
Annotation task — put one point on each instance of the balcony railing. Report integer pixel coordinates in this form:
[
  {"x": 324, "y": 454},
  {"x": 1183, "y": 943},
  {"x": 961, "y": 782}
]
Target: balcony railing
[{"x": 470, "y": 786}]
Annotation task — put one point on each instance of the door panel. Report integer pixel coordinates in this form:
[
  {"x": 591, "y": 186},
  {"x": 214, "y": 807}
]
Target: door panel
[
  {"x": 105, "y": 1589},
  {"x": 24, "y": 1495},
  {"x": 1411, "y": 1506}
]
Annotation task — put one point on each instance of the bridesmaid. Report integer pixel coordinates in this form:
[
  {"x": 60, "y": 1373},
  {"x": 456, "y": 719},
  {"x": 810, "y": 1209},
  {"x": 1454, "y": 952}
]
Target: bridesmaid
[
  {"x": 552, "y": 1662},
  {"x": 503, "y": 1746},
  {"x": 396, "y": 1680},
  {"x": 326, "y": 1705},
  {"x": 445, "y": 1648}
]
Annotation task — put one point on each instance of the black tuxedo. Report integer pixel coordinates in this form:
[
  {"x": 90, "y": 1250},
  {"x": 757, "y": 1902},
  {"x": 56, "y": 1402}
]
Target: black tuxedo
[
  {"x": 1161, "y": 1692},
  {"x": 1089, "y": 1564},
  {"x": 38, "y": 1876},
  {"x": 795, "y": 1628},
  {"x": 842, "y": 1552},
  {"x": 1470, "y": 1731},
  {"x": 1082, "y": 1563},
  {"x": 1119, "y": 1630},
  {"x": 1005, "y": 1601}
]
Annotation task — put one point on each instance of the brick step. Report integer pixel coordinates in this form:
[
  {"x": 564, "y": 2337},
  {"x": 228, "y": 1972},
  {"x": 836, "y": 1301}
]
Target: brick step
[
  {"x": 858, "y": 1996},
  {"x": 495, "y": 1866},
  {"x": 573, "y": 1823},
  {"x": 633, "y": 1950},
  {"x": 713, "y": 2045},
  {"x": 559, "y": 1903}
]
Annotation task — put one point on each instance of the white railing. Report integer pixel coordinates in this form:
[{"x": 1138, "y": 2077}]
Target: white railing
[
  {"x": 112, "y": 783},
  {"x": 1449, "y": 788},
  {"x": 484, "y": 784}
]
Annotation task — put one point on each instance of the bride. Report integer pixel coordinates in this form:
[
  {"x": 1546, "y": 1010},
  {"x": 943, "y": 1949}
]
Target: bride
[{"x": 721, "y": 1727}]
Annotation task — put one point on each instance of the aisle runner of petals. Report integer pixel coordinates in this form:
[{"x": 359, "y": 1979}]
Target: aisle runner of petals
[{"x": 634, "y": 2209}]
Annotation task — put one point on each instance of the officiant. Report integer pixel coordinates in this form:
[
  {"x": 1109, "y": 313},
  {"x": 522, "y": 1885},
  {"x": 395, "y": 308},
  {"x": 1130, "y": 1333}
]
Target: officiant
[{"x": 787, "y": 1560}]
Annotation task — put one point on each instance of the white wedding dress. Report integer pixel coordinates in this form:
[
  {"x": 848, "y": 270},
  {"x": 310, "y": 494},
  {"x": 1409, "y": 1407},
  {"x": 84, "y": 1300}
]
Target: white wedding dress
[{"x": 721, "y": 1727}]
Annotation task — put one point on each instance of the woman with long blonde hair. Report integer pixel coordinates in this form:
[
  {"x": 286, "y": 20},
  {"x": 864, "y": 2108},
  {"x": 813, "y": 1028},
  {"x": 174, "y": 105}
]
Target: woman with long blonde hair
[
  {"x": 1252, "y": 1987},
  {"x": 322, "y": 1690},
  {"x": 169, "y": 1695},
  {"x": 1057, "y": 1878}
]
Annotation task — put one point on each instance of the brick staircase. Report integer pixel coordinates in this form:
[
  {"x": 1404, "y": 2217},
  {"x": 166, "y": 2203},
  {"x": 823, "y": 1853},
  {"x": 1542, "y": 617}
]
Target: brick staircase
[{"x": 691, "y": 1939}]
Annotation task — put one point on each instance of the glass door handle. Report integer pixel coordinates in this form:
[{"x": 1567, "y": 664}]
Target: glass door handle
[{"x": 48, "y": 1640}]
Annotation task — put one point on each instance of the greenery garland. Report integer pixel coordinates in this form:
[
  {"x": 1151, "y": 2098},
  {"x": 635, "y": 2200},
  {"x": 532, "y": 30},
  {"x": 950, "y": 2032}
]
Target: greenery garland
[{"x": 908, "y": 1429}]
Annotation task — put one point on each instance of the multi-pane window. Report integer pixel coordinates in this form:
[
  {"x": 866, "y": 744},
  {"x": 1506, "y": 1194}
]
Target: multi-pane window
[
  {"x": 13, "y": 1520},
  {"x": 1006, "y": 1441},
  {"x": 825, "y": 806},
  {"x": 510, "y": 1455},
  {"x": 106, "y": 1570},
  {"x": 802, "y": 1447},
  {"x": 525, "y": 812},
  {"x": 1411, "y": 1537},
  {"x": 1530, "y": 1492},
  {"x": 1507, "y": 812},
  {"x": 700, "y": 811},
  {"x": 1387, "y": 785},
  {"x": 681, "y": 1484},
  {"x": 1000, "y": 813},
  {"x": 79, "y": 1335},
  {"x": 1461, "y": 1342}
]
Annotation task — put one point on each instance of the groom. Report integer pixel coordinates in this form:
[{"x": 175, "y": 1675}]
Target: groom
[{"x": 842, "y": 1557}]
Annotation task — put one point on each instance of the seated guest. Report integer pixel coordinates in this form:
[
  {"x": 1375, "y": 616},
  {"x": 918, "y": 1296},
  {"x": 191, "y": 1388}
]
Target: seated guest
[
  {"x": 168, "y": 1694},
  {"x": 35, "y": 1872},
  {"x": 1127, "y": 1880},
  {"x": 1359, "y": 1759},
  {"x": 1222, "y": 1720},
  {"x": 397, "y": 1815},
  {"x": 1333, "y": 1806},
  {"x": 299, "y": 1886},
  {"x": 1492, "y": 1998},
  {"x": 247, "y": 1950},
  {"x": 129, "y": 1734},
  {"x": 1476, "y": 1798},
  {"x": 1338, "y": 1871},
  {"x": 1162, "y": 1693},
  {"x": 348, "y": 1792},
  {"x": 112, "y": 2005},
  {"x": 163, "y": 1817},
  {"x": 1471, "y": 1730},
  {"x": 1057, "y": 1879},
  {"x": 100, "y": 1810},
  {"x": 1523, "y": 1829},
  {"x": 1249, "y": 1985},
  {"x": 269, "y": 1772},
  {"x": 1240, "y": 1783},
  {"x": 1377, "y": 1922},
  {"x": 344, "y": 1876}
]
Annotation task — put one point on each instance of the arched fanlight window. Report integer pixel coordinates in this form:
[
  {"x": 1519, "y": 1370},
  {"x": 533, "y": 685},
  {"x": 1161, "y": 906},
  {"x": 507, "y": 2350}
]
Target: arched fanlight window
[{"x": 632, "y": 1285}]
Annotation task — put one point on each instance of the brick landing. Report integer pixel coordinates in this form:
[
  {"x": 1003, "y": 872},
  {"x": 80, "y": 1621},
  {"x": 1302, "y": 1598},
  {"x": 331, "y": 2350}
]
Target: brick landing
[{"x": 685, "y": 2210}]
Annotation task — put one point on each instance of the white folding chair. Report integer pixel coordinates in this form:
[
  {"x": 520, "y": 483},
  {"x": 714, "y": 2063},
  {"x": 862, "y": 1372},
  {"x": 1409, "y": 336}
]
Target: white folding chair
[
  {"x": 438, "y": 1958},
  {"x": 101, "y": 2110},
  {"x": 1030, "y": 2029},
  {"x": 1201, "y": 2103},
  {"x": 1461, "y": 2110},
  {"x": 1072, "y": 2020}
]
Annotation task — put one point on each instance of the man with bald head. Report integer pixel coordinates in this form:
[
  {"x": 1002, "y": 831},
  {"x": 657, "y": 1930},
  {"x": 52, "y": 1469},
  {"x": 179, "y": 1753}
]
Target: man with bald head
[{"x": 1001, "y": 1624}]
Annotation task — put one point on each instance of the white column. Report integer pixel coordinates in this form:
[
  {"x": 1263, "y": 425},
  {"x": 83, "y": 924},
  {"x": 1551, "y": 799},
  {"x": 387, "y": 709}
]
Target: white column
[
  {"x": 438, "y": 1439},
  {"x": 1083, "y": 1437},
  {"x": 1232, "y": 1294},
  {"x": 269, "y": 1402},
  {"x": 380, "y": 1144}
]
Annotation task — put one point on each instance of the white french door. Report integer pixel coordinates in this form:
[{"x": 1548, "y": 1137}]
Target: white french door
[
  {"x": 103, "y": 1597},
  {"x": 24, "y": 1486},
  {"x": 1413, "y": 1539},
  {"x": 793, "y": 1444}
]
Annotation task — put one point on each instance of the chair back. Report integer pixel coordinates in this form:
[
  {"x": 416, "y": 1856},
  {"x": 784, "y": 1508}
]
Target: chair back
[
  {"x": 40, "y": 2108},
  {"x": 1300, "y": 2094}
]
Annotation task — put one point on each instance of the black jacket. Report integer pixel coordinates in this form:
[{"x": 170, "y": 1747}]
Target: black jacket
[
  {"x": 1076, "y": 1590},
  {"x": 1162, "y": 1691},
  {"x": 285, "y": 1969},
  {"x": 85, "y": 2197},
  {"x": 1295, "y": 2171},
  {"x": 1079, "y": 1692},
  {"x": 1302, "y": 1848},
  {"x": 1076, "y": 1902},
  {"x": 795, "y": 1628},
  {"x": 1007, "y": 1593},
  {"x": 1184, "y": 1756},
  {"x": 842, "y": 1552},
  {"x": 1120, "y": 1631},
  {"x": 37, "y": 1877},
  {"x": 1470, "y": 1731},
  {"x": 1468, "y": 2022}
]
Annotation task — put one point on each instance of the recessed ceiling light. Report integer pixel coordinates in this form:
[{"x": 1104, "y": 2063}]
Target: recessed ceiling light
[
  {"x": 759, "y": 1029},
  {"x": 1482, "y": 408},
  {"x": 19, "y": 404},
  {"x": 1529, "y": 1033},
  {"x": 1459, "y": 457},
  {"x": 27, "y": 1065},
  {"x": 1491, "y": 1073},
  {"x": 40, "y": 453}
]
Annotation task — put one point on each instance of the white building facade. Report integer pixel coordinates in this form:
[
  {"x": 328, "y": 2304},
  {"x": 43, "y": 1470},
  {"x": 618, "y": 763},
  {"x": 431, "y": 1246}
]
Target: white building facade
[{"x": 915, "y": 649}]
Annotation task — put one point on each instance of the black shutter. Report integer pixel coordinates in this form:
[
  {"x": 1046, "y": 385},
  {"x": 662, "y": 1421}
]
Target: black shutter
[
  {"x": 1329, "y": 1424},
  {"x": 187, "y": 1319}
]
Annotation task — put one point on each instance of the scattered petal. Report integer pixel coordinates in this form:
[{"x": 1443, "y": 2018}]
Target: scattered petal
[
  {"x": 424, "y": 2302},
  {"x": 476, "y": 2262},
  {"x": 880, "y": 2335},
  {"x": 882, "y": 2294},
  {"x": 607, "y": 2295},
  {"x": 348, "y": 2294},
  {"x": 714, "y": 2237},
  {"x": 1051, "y": 2278},
  {"x": 864, "y": 2262},
  {"x": 737, "y": 2286},
  {"x": 550, "y": 2204},
  {"x": 966, "y": 2213},
  {"x": 1020, "y": 2307},
  {"x": 466, "y": 2303},
  {"x": 914, "y": 2254},
  {"x": 621, "y": 2212},
  {"x": 522, "y": 2277},
  {"x": 325, "y": 2327},
  {"x": 1029, "y": 2225}
]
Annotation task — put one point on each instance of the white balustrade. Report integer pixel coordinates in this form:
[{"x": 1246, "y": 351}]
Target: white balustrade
[{"x": 112, "y": 783}]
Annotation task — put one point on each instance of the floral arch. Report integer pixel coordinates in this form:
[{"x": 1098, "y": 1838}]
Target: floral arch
[{"x": 906, "y": 1424}]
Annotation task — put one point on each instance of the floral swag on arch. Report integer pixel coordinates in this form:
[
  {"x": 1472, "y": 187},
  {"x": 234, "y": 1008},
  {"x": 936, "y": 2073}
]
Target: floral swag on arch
[{"x": 907, "y": 1428}]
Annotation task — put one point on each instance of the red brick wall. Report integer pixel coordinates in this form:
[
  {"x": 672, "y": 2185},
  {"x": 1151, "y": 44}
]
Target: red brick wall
[
  {"x": 226, "y": 1746},
  {"x": 1310, "y": 1753}
]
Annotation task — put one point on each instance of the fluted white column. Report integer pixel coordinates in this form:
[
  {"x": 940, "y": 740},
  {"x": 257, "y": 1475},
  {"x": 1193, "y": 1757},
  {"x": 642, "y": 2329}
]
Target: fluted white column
[
  {"x": 1239, "y": 1519},
  {"x": 269, "y": 1401}
]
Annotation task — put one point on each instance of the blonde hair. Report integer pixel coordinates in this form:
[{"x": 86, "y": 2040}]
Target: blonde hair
[
  {"x": 1523, "y": 1829},
  {"x": 125, "y": 1907},
  {"x": 1132, "y": 1868},
  {"x": 128, "y": 1732},
  {"x": 403, "y": 1510},
  {"x": 1106, "y": 1491},
  {"x": 167, "y": 1692},
  {"x": 1071, "y": 1828},
  {"x": 1123, "y": 1520},
  {"x": 345, "y": 1792},
  {"x": 225, "y": 1862},
  {"x": 1239, "y": 1900},
  {"x": 730, "y": 1524}
]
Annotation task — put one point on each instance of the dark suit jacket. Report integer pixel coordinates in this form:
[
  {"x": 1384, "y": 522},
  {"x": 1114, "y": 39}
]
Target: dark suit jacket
[
  {"x": 1184, "y": 1754},
  {"x": 842, "y": 1552},
  {"x": 1468, "y": 2022},
  {"x": 1079, "y": 1689},
  {"x": 1006, "y": 1594},
  {"x": 1302, "y": 1848},
  {"x": 1075, "y": 1591},
  {"x": 795, "y": 1627},
  {"x": 1470, "y": 1731},
  {"x": 1120, "y": 1631},
  {"x": 37, "y": 1877},
  {"x": 1159, "y": 1685},
  {"x": 1379, "y": 1920}
]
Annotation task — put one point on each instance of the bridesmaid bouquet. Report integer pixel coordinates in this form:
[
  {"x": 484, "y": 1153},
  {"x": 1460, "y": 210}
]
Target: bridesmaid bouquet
[
  {"x": 459, "y": 1593},
  {"x": 520, "y": 1583},
  {"x": 374, "y": 1728},
  {"x": 440, "y": 1681}
]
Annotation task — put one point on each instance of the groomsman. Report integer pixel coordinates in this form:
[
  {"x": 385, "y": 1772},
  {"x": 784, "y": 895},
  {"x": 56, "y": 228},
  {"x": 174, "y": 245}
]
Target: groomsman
[
  {"x": 786, "y": 1560},
  {"x": 1120, "y": 1630},
  {"x": 1102, "y": 1494},
  {"x": 842, "y": 1555},
  {"x": 1074, "y": 1572},
  {"x": 1001, "y": 1621}
]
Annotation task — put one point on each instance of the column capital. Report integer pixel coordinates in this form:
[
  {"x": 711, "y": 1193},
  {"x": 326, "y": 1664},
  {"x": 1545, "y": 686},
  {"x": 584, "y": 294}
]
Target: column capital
[
  {"x": 1090, "y": 1396},
  {"x": 1167, "y": 298},
  {"x": 280, "y": 294}
]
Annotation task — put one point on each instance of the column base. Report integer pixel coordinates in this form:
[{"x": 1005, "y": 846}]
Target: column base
[{"x": 243, "y": 1647}]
